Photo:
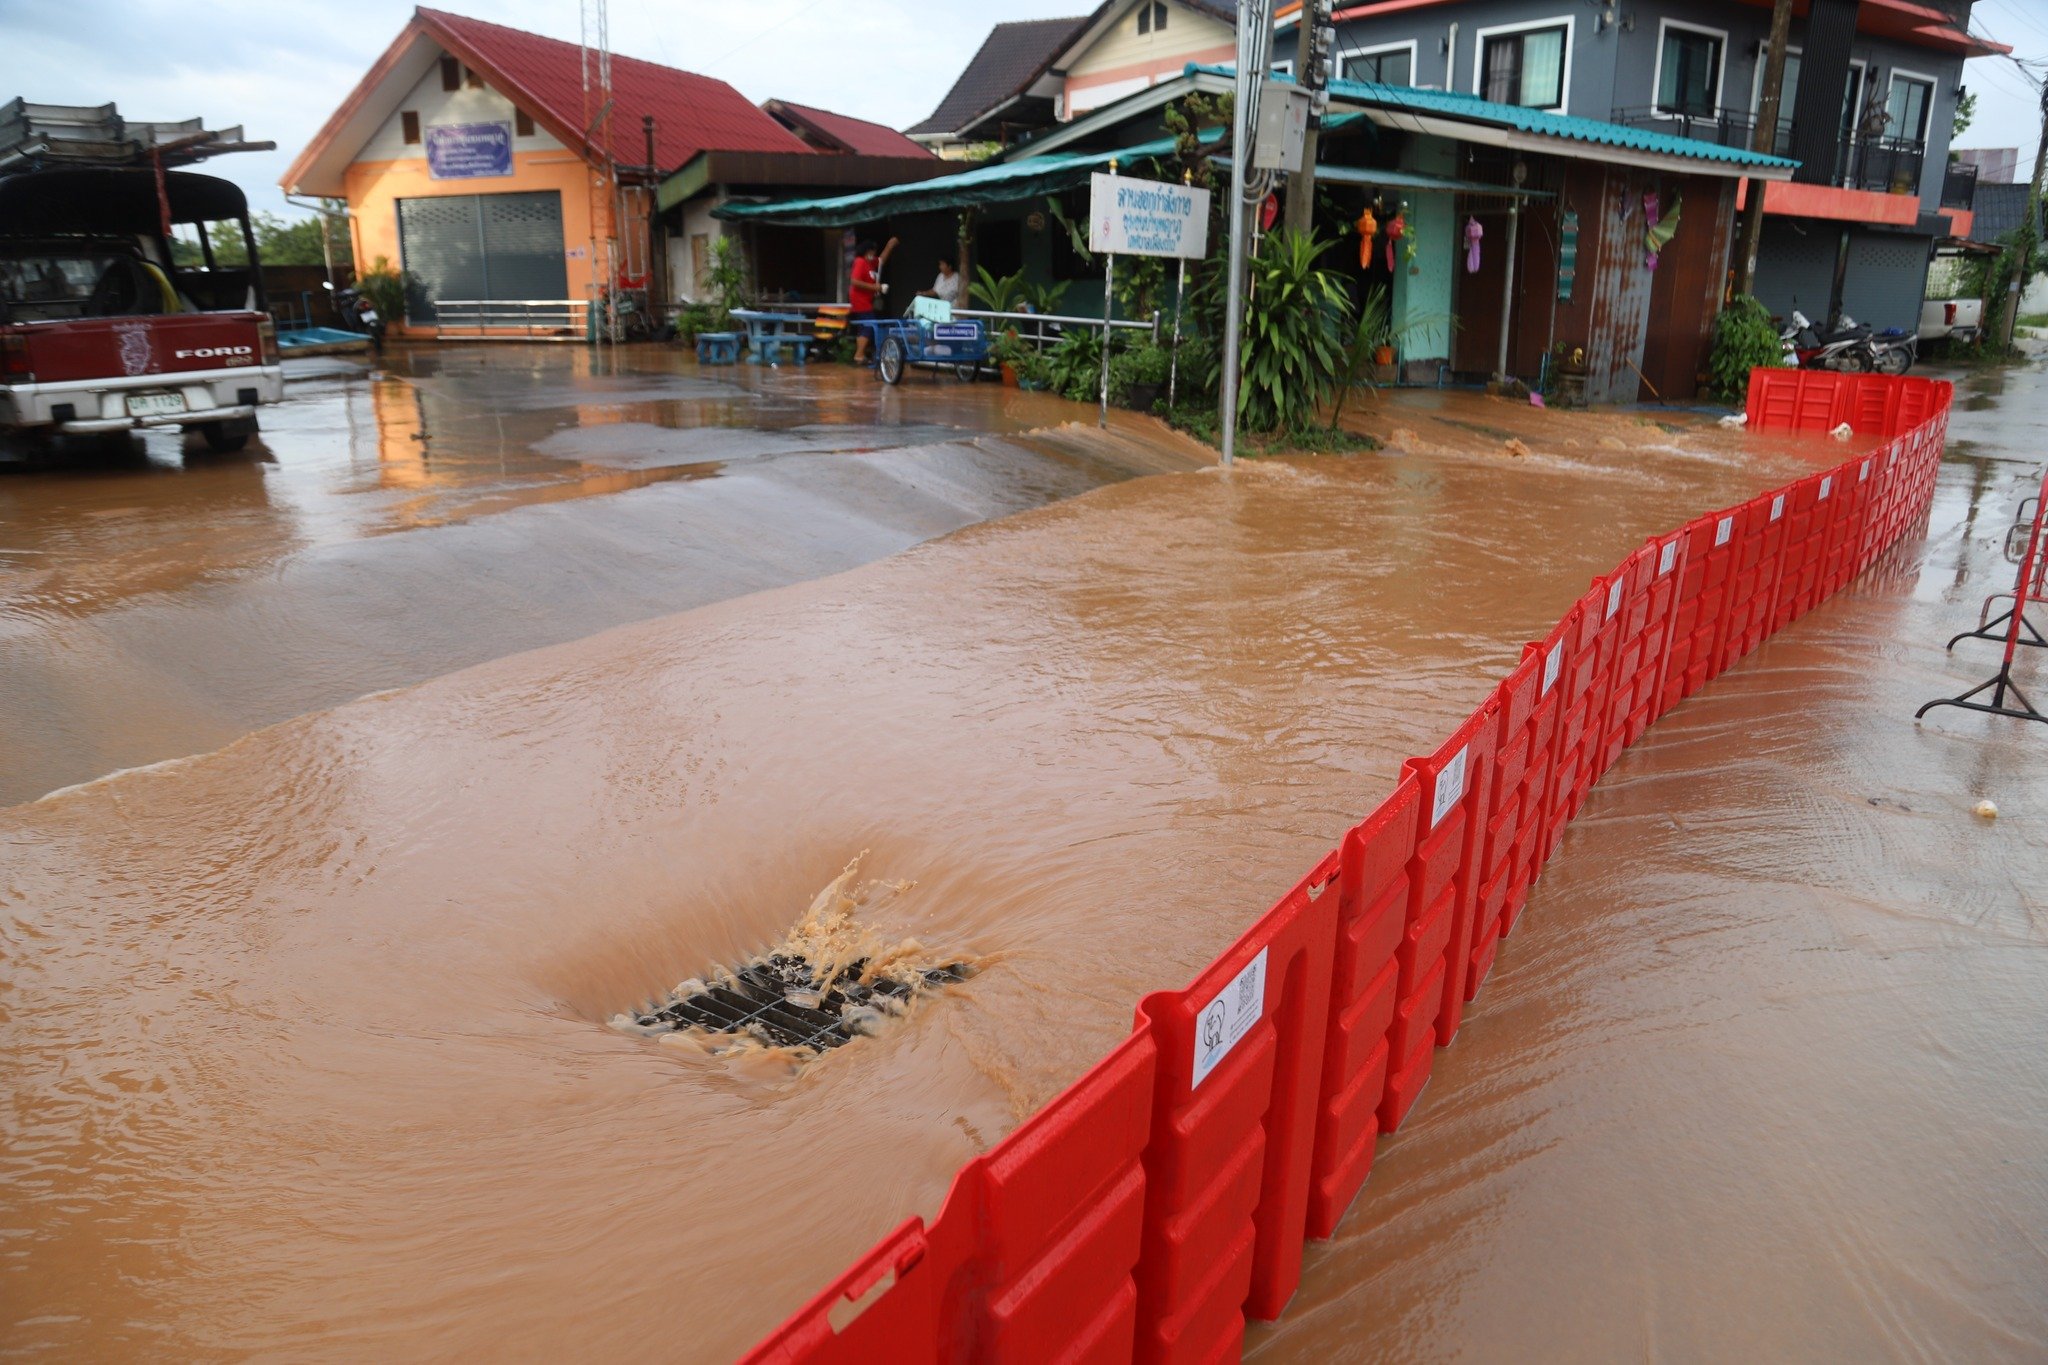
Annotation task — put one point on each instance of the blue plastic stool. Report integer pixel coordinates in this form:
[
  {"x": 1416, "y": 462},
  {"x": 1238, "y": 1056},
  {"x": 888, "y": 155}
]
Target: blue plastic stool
[{"x": 718, "y": 348}]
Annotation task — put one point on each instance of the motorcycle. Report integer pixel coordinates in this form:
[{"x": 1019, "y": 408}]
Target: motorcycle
[
  {"x": 1897, "y": 349},
  {"x": 1847, "y": 347},
  {"x": 358, "y": 314}
]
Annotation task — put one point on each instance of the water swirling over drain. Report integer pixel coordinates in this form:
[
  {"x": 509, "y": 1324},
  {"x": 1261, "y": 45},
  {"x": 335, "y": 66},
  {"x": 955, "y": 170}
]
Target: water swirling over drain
[{"x": 831, "y": 980}]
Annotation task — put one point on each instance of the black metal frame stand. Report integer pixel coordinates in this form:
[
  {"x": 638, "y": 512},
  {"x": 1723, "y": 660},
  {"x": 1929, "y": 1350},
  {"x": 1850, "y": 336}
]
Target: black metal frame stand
[{"x": 2001, "y": 685}]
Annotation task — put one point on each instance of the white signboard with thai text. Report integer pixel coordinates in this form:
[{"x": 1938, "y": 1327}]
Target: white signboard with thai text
[{"x": 1129, "y": 217}]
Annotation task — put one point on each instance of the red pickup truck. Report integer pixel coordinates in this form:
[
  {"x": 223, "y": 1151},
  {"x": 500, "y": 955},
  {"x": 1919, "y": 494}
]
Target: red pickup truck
[{"x": 101, "y": 330}]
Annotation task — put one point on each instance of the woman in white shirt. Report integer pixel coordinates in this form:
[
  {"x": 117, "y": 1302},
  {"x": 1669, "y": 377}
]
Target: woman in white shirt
[{"x": 947, "y": 285}]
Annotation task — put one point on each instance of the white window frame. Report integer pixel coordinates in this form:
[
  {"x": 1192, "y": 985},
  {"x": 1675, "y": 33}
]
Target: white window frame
[
  {"x": 1861, "y": 66},
  {"x": 1756, "y": 77},
  {"x": 1657, "y": 72},
  {"x": 1149, "y": 17},
  {"x": 1564, "y": 86},
  {"x": 1344, "y": 59},
  {"x": 1756, "y": 84},
  {"x": 1283, "y": 67},
  {"x": 1933, "y": 84}
]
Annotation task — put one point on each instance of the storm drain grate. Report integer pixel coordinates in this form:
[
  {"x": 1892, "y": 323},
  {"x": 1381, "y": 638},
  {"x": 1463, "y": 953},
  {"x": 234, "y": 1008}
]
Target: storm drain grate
[{"x": 784, "y": 1000}]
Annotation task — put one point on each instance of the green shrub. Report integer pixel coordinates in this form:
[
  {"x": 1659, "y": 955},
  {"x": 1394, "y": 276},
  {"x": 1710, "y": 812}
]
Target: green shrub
[
  {"x": 1146, "y": 364},
  {"x": 726, "y": 276},
  {"x": 996, "y": 294},
  {"x": 693, "y": 318},
  {"x": 1074, "y": 365},
  {"x": 1045, "y": 298},
  {"x": 1744, "y": 338},
  {"x": 384, "y": 285},
  {"x": 1295, "y": 333}
]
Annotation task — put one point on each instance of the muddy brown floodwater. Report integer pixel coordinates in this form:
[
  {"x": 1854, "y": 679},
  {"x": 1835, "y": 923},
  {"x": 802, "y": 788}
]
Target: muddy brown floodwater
[
  {"x": 307, "y": 1039},
  {"x": 461, "y": 503}
]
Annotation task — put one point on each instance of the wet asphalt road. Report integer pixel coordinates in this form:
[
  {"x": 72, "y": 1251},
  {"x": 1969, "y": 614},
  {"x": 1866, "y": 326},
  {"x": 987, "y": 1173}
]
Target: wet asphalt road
[{"x": 453, "y": 505}]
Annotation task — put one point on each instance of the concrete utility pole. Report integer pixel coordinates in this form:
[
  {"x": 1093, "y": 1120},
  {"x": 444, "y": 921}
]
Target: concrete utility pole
[
  {"x": 1765, "y": 141},
  {"x": 2030, "y": 233},
  {"x": 1254, "y": 39},
  {"x": 1301, "y": 186}
]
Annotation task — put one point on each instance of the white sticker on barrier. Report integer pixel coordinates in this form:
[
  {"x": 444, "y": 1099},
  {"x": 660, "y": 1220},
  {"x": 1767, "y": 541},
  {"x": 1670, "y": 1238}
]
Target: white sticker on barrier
[
  {"x": 1826, "y": 486},
  {"x": 1777, "y": 507},
  {"x": 1225, "y": 1020},
  {"x": 1724, "y": 532},
  {"x": 1551, "y": 667},
  {"x": 1668, "y": 558},
  {"x": 1614, "y": 597},
  {"x": 1866, "y": 472},
  {"x": 1450, "y": 786}
]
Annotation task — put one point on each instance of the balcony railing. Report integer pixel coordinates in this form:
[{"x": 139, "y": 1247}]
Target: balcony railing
[
  {"x": 1886, "y": 164},
  {"x": 1959, "y": 185}
]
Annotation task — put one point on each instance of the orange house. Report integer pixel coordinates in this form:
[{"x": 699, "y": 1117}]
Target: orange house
[{"x": 475, "y": 158}]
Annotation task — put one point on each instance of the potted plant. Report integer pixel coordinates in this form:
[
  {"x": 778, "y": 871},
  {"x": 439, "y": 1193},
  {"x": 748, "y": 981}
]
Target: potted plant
[
  {"x": 1137, "y": 377},
  {"x": 1031, "y": 370},
  {"x": 1005, "y": 353}
]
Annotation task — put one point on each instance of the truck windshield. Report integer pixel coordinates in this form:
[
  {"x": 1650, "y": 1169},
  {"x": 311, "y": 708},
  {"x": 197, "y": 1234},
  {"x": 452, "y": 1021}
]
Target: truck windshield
[{"x": 42, "y": 281}]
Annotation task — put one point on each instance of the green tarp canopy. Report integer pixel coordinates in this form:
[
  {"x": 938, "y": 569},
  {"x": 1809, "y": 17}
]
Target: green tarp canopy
[
  {"x": 1003, "y": 183},
  {"x": 1006, "y": 182}
]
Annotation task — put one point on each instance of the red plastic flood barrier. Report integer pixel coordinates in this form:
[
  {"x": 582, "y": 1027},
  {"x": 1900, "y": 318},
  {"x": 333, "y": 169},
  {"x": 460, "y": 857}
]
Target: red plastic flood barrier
[{"x": 1164, "y": 1198}]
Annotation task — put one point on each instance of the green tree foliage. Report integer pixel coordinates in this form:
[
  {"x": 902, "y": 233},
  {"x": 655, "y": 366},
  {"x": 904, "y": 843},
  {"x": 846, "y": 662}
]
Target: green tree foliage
[
  {"x": 727, "y": 278},
  {"x": 1744, "y": 339},
  {"x": 279, "y": 240},
  {"x": 1966, "y": 111}
]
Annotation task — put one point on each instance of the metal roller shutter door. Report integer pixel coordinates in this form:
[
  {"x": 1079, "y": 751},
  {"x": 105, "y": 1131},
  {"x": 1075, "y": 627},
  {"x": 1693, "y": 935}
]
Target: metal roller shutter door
[{"x": 481, "y": 246}]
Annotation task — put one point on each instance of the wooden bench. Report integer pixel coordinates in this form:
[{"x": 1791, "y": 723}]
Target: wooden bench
[{"x": 718, "y": 348}]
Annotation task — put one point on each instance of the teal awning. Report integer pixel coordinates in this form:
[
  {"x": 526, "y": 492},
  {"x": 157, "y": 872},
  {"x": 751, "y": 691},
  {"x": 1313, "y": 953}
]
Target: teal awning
[
  {"x": 1003, "y": 183},
  {"x": 1006, "y": 182},
  {"x": 1411, "y": 180},
  {"x": 1452, "y": 106}
]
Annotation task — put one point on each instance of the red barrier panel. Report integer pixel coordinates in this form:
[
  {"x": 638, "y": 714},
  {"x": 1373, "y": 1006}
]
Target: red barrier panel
[
  {"x": 1164, "y": 1197},
  {"x": 1233, "y": 1130},
  {"x": 1372, "y": 917},
  {"x": 1031, "y": 1256}
]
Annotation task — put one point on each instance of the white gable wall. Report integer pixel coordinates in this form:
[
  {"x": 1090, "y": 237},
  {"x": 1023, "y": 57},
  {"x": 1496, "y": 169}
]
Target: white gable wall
[{"x": 435, "y": 105}]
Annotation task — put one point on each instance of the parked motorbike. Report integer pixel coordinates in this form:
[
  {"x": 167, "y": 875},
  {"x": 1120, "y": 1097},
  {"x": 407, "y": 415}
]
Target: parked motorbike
[
  {"x": 1847, "y": 347},
  {"x": 358, "y": 314},
  {"x": 1897, "y": 349}
]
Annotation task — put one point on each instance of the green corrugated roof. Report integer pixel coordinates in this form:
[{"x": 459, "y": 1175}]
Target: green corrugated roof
[{"x": 1451, "y": 104}]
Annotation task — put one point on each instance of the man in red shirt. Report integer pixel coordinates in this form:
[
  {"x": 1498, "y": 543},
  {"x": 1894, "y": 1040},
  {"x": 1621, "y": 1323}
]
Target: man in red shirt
[{"x": 866, "y": 292}]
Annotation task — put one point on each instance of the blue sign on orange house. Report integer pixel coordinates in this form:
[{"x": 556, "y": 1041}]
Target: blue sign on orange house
[{"x": 469, "y": 151}]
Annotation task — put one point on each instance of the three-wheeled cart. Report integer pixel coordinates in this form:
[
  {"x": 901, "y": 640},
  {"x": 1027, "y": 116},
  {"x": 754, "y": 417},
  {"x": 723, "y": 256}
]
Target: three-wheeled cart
[{"x": 961, "y": 346}]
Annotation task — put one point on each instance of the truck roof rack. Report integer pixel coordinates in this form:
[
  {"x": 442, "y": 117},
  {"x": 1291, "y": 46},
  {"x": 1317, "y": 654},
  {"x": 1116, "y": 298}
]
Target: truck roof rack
[{"x": 39, "y": 136}]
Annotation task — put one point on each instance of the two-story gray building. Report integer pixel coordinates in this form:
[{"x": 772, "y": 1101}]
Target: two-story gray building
[{"x": 1869, "y": 99}]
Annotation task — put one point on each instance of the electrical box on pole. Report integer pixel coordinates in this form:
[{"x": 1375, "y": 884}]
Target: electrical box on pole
[{"x": 1283, "y": 125}]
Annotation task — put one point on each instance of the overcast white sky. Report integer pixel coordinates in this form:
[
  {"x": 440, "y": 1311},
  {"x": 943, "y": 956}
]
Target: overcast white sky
[{"x": 279, "y": 67}]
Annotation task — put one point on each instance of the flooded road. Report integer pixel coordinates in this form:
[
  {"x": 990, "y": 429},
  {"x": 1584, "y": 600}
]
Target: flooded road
[
  {"x": 1760, "y": 1073},
  {"x": 307, "y": 1036},
  {"x": 462, "y": 503}
]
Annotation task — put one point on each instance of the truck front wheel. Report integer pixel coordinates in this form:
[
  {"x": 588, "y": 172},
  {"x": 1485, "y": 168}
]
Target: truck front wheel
[{"x": 225, "y": 438}]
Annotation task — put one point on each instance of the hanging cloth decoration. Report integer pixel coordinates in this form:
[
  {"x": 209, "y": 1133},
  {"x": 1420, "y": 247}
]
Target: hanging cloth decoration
[
  {"x": 1568, "y": 254},
  {"x": 1658, "y": 231},
  {"x": 1473, "y": 232},
  {"x": 1397, "y": 227},
  {"x": 1368, "y": 228}
]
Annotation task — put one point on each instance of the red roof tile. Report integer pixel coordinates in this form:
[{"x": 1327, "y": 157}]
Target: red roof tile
[
  {"x": 692, "y": 113},
  {"x": 857, "y": 136}
]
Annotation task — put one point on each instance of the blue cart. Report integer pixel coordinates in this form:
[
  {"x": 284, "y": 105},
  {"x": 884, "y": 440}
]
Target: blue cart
[{"x": 961, "y": 346}]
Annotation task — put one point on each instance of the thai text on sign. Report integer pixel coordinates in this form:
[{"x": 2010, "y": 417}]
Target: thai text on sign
[{"x": 1129, "y": 217}]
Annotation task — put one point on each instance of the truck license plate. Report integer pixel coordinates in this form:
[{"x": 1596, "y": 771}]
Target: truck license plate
[{"x": 154, "y": 404}]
